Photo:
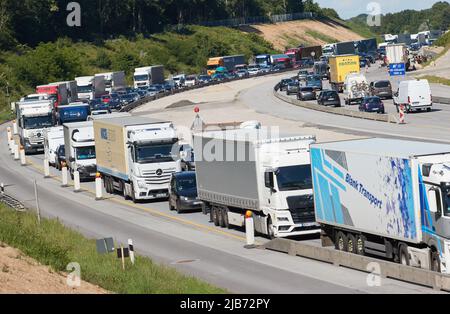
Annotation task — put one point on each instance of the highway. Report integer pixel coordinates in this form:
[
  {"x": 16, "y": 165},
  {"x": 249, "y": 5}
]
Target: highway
[{"x": 189, "y": 242}]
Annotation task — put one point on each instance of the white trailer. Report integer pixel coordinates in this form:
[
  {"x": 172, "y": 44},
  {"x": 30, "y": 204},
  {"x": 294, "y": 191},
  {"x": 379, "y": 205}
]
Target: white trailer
[
  {"x": 53, "y": 137},
  {"x": 114, "y": 81},
  {"x": 396, "y": 53},
  {"x": 90, "y": 87},
  {"x": 80, "y": 149},
  {"x": 250, "y": 169},
  {"x": 146, "y": 76},
  {"x": 385, "y": 197},
  {"x": 71, "y": 87},
  {"x": 137, "y": 156}
]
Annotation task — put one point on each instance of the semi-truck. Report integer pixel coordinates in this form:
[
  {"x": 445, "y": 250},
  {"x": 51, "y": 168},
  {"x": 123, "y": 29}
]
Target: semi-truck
[
  {"x": 385, "y": 197},
  {"x": 56, "y": 91},
  {"x": 228, "y": 62},
  {"x": 90, "y": 87},
  {"x": 74, "y": 112},
  {"x": 345, "y": 48},
  {"x": 79, "y": 146},
  {"x": 150, "y": 75},
  {"x": 137, "y": 156},
  {"x": 32, "y": 119},
  {"x": 71, "y": 88},
  {"x": 250, "y": 169},
  {"x": 114, "y": 81},
  {"x": 263, "y": 60},
  {"x": 340, "y": 67},
  {"x": 314, "y": 52},
  {"x": 53, "y": 137},
  {"x": 367, "y": 46}
]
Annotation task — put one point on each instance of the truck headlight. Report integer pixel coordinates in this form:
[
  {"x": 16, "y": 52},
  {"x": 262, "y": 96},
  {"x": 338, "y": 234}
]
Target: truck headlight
[{"x": 141, "y": 184}]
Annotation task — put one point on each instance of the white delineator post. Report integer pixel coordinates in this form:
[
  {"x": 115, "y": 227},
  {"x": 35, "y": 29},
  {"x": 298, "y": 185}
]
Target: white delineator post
[
  {"x": 8, "y": 131},
  {"x": 15, "y": 130},
  {"x": 16, "y": 152},
  {"x": 23, "y": 160},
  {"x": 46, "y": 168},
  {"x": 98, "y": 187},
  {"x": 249, "y": 230},
  {"x": 76, "y": 181},
  {"x": 65, "y": 182},
  {"x": 131, "y": 249}
]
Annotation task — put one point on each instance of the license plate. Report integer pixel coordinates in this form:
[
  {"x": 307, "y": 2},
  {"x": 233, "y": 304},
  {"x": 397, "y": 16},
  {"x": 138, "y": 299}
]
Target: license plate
[
  {"x": 92, "y": 174},
  {"x": 161, "y": 195},
  {"x": 330, "y": 98},
  {"x": 308, "y": 224}
]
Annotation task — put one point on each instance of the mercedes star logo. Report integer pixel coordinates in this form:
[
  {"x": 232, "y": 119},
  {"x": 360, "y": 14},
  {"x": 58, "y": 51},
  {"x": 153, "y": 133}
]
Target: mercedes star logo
[{"x": 159, "y": 172}]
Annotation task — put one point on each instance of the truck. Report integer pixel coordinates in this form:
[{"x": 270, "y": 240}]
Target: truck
[
  {"x": 74, "y": 112},
  {"x": 114, "y": 81},
  {"x": 79, "y": 146},
  {"x": 367, "y": 46},
  {"x": 263, "y": 60},
  {"x": 137, "y": 156},
  {"x": 314, "y": 52},
  {"x": 404, "y": 39},
  {"x": 396, "y": 53},
  {"x": 328, "y": 50},
  {"x": 320, "y": 68},
  {"x": 90, "y": 87},
  {"x": 53, "y": 137},
  {"x": 340, "y": 67},
  {"x": 56, "y": 92},
  {"x": 71, "y": 88},
  {"x": 253, "y": 170},
  {"x": 32, "y": 118},
  {"x": 227, "y": 62},
  {"x": 295, "y": 55},
  {"x": 150, "y": 75},
  {"x": 385, "y": 197},
  {"x": 345, "y": 48}
]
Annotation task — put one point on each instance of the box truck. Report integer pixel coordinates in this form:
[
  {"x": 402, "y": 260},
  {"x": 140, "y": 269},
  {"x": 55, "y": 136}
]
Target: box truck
[
  {"x": 79, "y": 145},
  {"x": 147, "y": 76},
  {"x": 114, "y": 81},
  {"x": 396, "y": 54},
  {"x": 385, "y": 197},
  {"x": 250, "y": 169},
  {"x": 340, "y": 67},
  {"x": 136, "y": 156},
  {"x": 53, "y": 137},
  {"x": 32, "y": 118},
  {"x": 90, "y": 87}
]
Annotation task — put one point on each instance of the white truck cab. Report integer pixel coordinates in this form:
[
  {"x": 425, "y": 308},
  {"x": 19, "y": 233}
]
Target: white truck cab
[
  {"x": 90, "y": 87},
  {"x": 414, "y": 95}
]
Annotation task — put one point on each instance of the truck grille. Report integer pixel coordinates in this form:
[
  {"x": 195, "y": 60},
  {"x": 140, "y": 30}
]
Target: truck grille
[
  {"x": 159, "y": 176},
  {"x": 301, "y": 208}
]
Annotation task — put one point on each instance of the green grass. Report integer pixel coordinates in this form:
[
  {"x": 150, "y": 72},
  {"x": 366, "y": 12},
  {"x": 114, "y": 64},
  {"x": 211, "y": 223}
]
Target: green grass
[
  {"x": 435, "y": 79},
  {"x": 325, "y": 38},
  {"x": 54, "y": 245}
]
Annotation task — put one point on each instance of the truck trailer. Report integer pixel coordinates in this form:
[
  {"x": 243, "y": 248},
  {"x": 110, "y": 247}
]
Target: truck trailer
[
  {"x": 345, "y": 48},
  {"x": 74, "y": 112},
  {"x": 90, "y": 87},
  {"x": 340, "y": 67},
  {"x": 136, "y": 156},
  {"x": 385, "y": 197},
  {"x": 114, "y": 81},
  {"x": 250, "y": 169}
]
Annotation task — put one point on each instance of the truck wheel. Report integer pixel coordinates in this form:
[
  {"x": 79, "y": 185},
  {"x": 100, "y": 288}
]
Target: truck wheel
[
  {"x": 270, "y": 231},
  {"x": 226, "y": 223},
  {"x": 359, "y": 245},
  {"x": 403, "y": 254},
  {"x": 341, "y": 243},
  {"x": 171, "y": 208},
  {"x": 351, "y": 243},
  {"x": 214, "y": 216},
  {"x": 220, "y": 217},
  {"x": 133, "y": 196},
  {"x": 435, "y": 261}
]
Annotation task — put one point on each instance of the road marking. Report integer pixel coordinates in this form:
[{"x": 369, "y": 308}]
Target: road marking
[{"x": 152, "y": 211}]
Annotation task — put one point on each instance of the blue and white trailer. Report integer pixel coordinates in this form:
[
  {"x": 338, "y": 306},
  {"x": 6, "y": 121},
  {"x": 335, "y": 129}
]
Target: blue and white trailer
[{"x": 385, "y": 197}]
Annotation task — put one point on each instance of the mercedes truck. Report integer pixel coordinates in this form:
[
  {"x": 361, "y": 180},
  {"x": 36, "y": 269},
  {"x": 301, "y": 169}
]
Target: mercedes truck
[{"x": 90, "y": 87}]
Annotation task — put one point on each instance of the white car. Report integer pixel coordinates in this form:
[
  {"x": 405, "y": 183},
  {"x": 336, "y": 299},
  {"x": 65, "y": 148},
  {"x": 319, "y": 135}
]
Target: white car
[
  {"x": 190, "y": 81},
  {"x": 253, "y": 71}
]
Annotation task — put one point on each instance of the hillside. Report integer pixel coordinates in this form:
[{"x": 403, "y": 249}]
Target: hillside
[{"x": 307, "y": 32}]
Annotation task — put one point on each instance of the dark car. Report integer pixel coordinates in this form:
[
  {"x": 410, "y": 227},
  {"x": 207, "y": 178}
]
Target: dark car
[
  {"x": 204, "y": 79},
  {"x": 284, "y": 83},
  {"x": 302, "y": 75},
  {"x": 183, "y": 192},
  {"x": 329, "y": 98},
  {"x": 292, "y": 88},
  {"x": 314, "y": 81},
  {"x": 306, "y": 93},
  {"x": 372, "y": 104},
  {"x": 127, "y": 99},
  {"x": 60, "y": 156},
  {"x": 382, "y": 89},
  {"x": 114, "y": 101},
  {"x": 96, "y": 103}
]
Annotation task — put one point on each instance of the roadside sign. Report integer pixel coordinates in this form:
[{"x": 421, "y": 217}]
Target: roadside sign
[
  {"x": 397, "y": 69},
  {"x": 105, "y": 246}
]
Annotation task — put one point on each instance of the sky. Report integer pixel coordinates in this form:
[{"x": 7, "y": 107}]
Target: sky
[{"x": 350, "y": 8}]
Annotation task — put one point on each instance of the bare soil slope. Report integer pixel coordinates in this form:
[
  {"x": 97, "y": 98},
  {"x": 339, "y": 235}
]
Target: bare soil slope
[
  {"x": 308, "y": 32},
  {"x": 22, "y": 274}
]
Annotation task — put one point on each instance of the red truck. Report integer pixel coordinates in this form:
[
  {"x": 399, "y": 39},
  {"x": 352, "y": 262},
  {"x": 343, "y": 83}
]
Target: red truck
[{"x": 57, "y": 92}]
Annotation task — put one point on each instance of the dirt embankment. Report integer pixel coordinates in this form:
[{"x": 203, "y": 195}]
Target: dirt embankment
[
  {"x": 307, "y": 32},
  {"x": 22, "y": 274}
]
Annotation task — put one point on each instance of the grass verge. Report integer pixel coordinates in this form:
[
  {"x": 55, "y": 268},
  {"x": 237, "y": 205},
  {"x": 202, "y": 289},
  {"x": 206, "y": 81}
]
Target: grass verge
[
  {"x": 321, "y": 36},
  {"x": 55, "y": 245},
  {"x": 435, "y": 79}
]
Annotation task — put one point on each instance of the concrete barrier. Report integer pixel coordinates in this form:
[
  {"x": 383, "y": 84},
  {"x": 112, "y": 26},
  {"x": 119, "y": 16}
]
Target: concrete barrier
[
  {"x": 389, "y": 118},
  {"x": 441, "y": 100},
  {"x": 387, "y": 269}
]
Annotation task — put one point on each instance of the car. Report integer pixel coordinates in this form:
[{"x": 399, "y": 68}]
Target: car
[
  {"x": 284, "y": 83},
  {"x": 314, "y": 81},
  {"x": 218, "y": 76},
  {"x": 307, "y": 62},
  {"x": 191, "y": 80},
  {"x": 382, "y": 89},
  {"x": 372, "y": 104},
  {"x": 292, "y": 87},
  {"x": 265, "y": 69},
  {"x": 204, "y": 79},
  {"x": 252, "y": 71},
  {"x": 183, "y": 192},
  {"x": 242, "y": 73},
  {"x": 60, "y": 156},
  {"x": 127, "y": 99},
  {"x": 306, "y": 93},
  {"x": 329, "y": 98},
  {"x": 302, "y": 75}
]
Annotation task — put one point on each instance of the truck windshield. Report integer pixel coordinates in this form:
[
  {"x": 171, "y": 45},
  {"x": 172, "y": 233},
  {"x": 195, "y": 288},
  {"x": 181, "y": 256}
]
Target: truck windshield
[
  {"x": 152, "y": 153},
  {"x": 85, "y": 89},
  {"x": 38, "y": 122},
  {"x": 140, "y": 78},
  {"x": 84, "y": 153},
  {"x": 294, "y": 178},
  {"x": 108, "y": 83}
]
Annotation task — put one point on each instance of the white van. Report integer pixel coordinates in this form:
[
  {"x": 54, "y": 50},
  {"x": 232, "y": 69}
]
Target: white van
[
  {"x": 414, "y": 95},
  {"x": 53, "y": 137},
  {"x": 355, "y": 88}
]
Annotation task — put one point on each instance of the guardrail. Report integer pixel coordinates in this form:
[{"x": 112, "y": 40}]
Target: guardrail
[
  {"x": 384, "y": 269},
  {"x": 441, "y": 100},
  {"x": 389, "y": 118},
  {"x": 145, "y": 100}
]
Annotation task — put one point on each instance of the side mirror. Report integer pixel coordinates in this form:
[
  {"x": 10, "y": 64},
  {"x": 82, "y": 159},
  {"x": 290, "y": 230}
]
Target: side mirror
[
  {"x": 269, "y": 180},
  {"x": 71, "y": 159}
]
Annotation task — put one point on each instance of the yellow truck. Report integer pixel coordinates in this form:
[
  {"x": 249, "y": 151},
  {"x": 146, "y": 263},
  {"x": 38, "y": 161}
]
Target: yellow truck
[
  {"x": 340, "y": 67},
  {"x": 213, "y": 64}
]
